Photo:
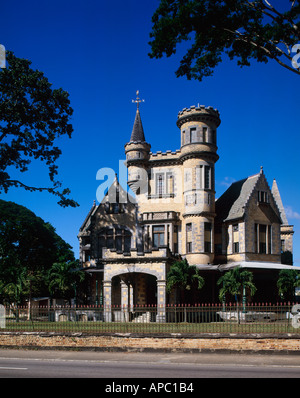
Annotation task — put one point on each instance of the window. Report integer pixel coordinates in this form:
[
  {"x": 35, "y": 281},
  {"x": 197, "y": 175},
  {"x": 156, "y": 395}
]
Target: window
[
  {"x": 263, "y": 197},
  {"x": 158, "y": 236},
  {"x": 205, "y": 135},
  {"x": 118, "y": 238},
  {"x": 122, "y": 236},
  {"x": 175, "y": 238},
  {"x": 235, "y": 238},
  {"x": 193, "y": 133},
  {"x": 164, "y": 184},
  {"x": 159, "y": 184},
  {"x": 236, "y": 248},
  {"x": 199, "y": 172},
  {"x": 207, "y": 172},
  {"x": 114, "y": 208},
  {"x": 235, "y": 227},
  {"x": 207, "y": 237},
  {"x": 110, "y": 239},
  {"x": 170, "y": 184},
  {"x": 263, "y": 239},
  {"x": 189, "y": 244}
]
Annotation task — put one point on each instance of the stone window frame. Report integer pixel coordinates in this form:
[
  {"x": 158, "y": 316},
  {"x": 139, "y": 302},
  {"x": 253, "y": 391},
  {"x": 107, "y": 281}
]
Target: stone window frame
[
  {"x": 235, "y": 238},
  {"x": 208, "y": 227},
  {"x": 263, "y": 238},
  {"x": 110, "y": 234},
  {"x": 164, "y": 185},
  {"x": 158, "y": 233},
  {"x": 189, "y": 237}
]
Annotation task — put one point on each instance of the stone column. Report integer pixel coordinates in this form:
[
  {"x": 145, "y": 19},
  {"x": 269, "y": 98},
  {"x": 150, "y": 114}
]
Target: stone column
[
  {"x": 107, "y": 300},
  {"x": 124, "y": 301},
  {"x": 130, "y": 289},
  {"x": 161, "y": 301},
  {"x": 171, "y": 237}
]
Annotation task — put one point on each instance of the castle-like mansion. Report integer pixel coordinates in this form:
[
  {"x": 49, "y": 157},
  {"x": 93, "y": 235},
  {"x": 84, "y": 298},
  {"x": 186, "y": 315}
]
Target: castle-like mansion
[{"x": 128, "y": 244}]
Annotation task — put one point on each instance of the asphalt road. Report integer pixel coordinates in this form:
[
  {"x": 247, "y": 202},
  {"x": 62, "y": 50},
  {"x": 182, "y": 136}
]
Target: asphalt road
[{"x": 131, "y": 366}]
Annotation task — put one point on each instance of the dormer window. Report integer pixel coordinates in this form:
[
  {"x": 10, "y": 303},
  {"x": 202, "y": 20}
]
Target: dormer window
[
  {"x": 263, "y": 197},
  {"x": 114, "y": 208}
]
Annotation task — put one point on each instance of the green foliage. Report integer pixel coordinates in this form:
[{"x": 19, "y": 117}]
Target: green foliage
[
  {"x": 242, "y": 29},
  {"x": 63, "y": 278},
  {"x": 32, "y": 117},
  {"x": 183, "y": 276},
  {"x": 287, "y": 281},
  {"x": 234, "y": 281},
  {"x": 28, "y": 248}
]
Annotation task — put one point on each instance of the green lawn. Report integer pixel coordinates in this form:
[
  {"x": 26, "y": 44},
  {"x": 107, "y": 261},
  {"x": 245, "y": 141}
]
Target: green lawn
[{"x": 161, "y": 328}]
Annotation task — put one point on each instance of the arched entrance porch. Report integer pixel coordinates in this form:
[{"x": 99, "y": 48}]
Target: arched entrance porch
[{"x": 136, "y": 287}]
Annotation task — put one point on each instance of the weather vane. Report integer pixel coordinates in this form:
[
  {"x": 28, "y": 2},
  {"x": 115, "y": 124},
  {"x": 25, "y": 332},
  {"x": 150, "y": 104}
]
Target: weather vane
[{"x": 138, "y": 100}]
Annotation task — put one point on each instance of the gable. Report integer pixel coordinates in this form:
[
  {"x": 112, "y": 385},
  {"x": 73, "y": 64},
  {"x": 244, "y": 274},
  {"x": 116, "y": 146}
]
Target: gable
[
  {"x": 261, "y": 205},
  {"x": 251, "y": 196},
  {"x": 117, "y": 194}
]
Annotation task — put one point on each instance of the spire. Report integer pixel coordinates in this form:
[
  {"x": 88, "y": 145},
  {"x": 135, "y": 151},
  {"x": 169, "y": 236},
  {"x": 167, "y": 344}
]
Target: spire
[
  {"x": 277, "y": 197},
  {"x": 137, "y": 131}
]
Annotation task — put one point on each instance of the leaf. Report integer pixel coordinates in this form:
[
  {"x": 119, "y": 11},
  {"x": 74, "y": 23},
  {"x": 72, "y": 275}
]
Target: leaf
[{"x": 32, "y": 117}]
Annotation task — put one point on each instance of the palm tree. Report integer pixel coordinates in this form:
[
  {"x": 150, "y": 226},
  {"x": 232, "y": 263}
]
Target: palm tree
[
  {"x": 17, "y": 287},
  {"x": 287, "y": 281},
  {"x": 183, "y": 276},
  {"x": 62, "y": 279},
  {"x": 236, "y": 282}
]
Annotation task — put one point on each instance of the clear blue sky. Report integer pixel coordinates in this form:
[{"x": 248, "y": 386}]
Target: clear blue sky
[{"x": 98, "y": 51}]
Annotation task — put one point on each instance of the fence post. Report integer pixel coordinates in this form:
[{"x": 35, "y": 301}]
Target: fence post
[{"x": 244, "y": 299}]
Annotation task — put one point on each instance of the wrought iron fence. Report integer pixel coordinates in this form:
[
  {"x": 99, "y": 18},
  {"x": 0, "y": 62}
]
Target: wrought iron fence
[{"x": 177, "y": 319}]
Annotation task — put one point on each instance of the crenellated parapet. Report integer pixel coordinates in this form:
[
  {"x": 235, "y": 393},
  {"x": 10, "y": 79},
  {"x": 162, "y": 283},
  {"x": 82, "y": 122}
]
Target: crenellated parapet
[{"x": 199, "y": 113}]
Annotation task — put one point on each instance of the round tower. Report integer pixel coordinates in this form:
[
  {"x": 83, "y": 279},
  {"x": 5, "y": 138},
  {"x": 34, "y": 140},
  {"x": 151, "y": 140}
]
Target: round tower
[
  {"x": 137, "y": 155},
  {"x": 198, "y": 129}
]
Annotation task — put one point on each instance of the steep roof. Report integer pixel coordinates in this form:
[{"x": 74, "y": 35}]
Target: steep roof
[
  {"x": 137, "y": 131},
  {"x": 86, "y": 222},
  {"x": 116, "y": 194},
  {"x": 277, "y": 197},
  {"x": 231, "y": 205}
]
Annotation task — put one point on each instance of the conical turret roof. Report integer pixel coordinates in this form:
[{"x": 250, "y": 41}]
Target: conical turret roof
[{"x": 137, "y": 130}]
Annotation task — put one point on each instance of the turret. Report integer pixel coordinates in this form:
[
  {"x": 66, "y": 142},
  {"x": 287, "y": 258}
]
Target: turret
[
  {"x": 198, "y": 129},
  {"x": 198, "y": 125},
  {"x": 137, "y": 155}
]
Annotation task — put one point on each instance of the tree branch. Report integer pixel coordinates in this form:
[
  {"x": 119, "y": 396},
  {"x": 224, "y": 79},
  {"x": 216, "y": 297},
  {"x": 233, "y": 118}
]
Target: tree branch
[
  {"x": 63, "y": 200},
  {"x": 272, "y": 9},
  {"x": 281, "y": 15},
  {"x": 246, "y": 39}
]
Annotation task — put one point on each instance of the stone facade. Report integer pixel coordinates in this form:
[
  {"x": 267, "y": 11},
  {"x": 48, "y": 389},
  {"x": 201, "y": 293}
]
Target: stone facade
[{"x": 127, "y": 244}]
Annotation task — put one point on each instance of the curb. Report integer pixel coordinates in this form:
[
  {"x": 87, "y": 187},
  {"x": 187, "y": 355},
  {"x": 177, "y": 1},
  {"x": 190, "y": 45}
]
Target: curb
[
  {"x": 153, "y": 350},
  {"x": 285, "y": 336}
]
